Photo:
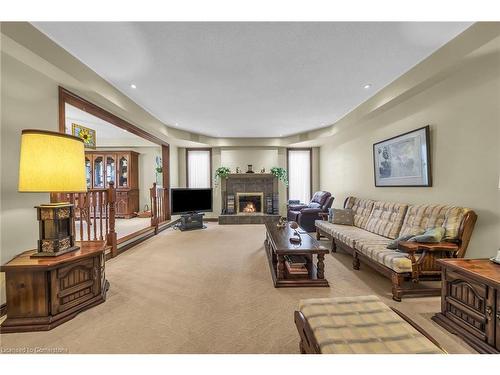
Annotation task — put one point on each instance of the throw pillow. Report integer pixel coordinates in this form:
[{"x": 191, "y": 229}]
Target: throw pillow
[
  {"x": 393, "y": 245},
  {"x": 342, "y": 217},
  {"x": 432, "y": 235},
  {"x": 314, "y": 205}
]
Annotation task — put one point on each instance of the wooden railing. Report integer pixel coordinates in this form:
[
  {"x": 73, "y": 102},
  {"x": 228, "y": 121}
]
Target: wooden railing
[
  {"x": 95, "y": 213},
  {"x": 160, "y": 211},
  {"x": 94, "y": 217}
]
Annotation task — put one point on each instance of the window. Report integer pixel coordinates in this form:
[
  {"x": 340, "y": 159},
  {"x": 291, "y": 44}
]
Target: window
[
  {"x": 199, "y": 168},
  {"x": 299, "y": 174}
]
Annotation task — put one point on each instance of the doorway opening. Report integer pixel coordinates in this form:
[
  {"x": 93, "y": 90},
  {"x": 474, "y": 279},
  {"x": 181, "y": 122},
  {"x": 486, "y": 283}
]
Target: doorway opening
[{"x": 127, "y": 173}]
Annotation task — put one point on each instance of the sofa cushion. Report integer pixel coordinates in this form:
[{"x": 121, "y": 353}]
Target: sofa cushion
[
  {"x": 344, "y": 233},
  {"x": 422, "y": 217},
  {"x": 361, "y": 209},
  {"x": 342, "y": 217},
  {"x": 393, "y": 259},
  {"x": 313, "y": 205},
  {"x": 452, "y": 221},
  {"x": 325, "y": 226},
  {"x": 361, "y": 324},
  {"x": 386, "y": 218}
]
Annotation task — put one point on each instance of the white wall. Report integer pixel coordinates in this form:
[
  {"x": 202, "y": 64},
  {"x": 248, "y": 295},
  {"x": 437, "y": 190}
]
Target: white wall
[
  {"x": 464, "y": 113},
  {"x": 241, "y": 157}
]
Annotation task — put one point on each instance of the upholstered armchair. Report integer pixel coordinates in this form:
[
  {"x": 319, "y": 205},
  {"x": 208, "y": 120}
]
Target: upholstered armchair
[{"x": 306, "y": 214}]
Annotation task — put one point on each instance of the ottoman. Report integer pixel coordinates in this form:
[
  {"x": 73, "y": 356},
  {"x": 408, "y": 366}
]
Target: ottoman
[{"x": 358, "y": 325}]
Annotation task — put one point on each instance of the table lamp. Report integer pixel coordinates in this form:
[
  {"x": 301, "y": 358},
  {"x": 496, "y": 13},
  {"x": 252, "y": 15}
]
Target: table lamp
[{"x": 52, "y": 162}]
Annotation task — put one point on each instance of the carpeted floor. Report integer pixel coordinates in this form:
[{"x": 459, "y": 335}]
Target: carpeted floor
[{"x": 210, "y": 291}]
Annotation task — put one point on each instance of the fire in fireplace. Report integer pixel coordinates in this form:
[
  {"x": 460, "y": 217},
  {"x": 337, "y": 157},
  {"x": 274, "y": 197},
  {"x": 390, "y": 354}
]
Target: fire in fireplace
[
  {"x": 249, "y": 208},
  {"x": 249, "y": 203}
]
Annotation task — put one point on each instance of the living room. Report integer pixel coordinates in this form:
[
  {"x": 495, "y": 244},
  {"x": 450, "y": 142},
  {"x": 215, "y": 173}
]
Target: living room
[{"x": 251, "y": 188}]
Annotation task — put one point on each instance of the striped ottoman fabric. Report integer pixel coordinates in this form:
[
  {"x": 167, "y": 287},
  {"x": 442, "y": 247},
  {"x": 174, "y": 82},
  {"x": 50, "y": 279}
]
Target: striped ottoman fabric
[{"x": 362, "y": 325}]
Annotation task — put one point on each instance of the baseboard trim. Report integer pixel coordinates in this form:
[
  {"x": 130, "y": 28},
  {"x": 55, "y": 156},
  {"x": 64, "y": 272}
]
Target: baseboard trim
[
  {"x": 129, "y": 245},
  {"x": 3, "y": 309}
]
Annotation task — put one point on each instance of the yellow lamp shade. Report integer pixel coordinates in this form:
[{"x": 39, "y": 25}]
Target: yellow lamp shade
[{"x": 51, "y": 162}]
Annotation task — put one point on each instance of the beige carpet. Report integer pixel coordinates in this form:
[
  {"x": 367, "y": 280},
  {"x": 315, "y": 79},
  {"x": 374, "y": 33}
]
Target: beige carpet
[{"x": 210, "y": 291}]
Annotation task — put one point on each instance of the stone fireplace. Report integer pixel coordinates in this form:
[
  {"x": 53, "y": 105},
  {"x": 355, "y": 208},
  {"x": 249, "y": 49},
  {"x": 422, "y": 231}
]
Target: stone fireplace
[
  {"x": 249, "y": 198},
  {"x": 249, "y": 203}
]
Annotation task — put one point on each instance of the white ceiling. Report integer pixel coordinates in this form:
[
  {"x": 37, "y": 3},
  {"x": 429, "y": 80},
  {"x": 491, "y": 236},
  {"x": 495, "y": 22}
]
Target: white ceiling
[
  {"x": 107, "y": 134},
  {"x": 250, "y": 79}
]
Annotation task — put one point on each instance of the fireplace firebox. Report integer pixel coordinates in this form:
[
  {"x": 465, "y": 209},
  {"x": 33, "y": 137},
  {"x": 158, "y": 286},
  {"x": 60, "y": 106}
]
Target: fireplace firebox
[{"x": 249, "y": 203}]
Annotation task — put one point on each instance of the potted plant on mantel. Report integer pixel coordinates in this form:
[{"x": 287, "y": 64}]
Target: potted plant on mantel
[
  {"x": 281, "y": 174},
  {"x": 221, "y": 173}
]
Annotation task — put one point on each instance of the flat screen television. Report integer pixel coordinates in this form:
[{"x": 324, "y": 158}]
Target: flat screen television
[{"x": 186, "y": 200}]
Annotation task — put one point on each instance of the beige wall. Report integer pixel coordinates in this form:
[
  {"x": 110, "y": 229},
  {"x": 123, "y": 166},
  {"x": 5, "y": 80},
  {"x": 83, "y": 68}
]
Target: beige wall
[
  {"x": 174, "y": 166},
  {"x": 463, "y": 111},
  {"x": 29, "y": 99}
]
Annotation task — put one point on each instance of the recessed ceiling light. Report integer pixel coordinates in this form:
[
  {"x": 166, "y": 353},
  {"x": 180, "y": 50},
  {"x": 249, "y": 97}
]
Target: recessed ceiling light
[
  {"x": 133, "y": 86},
  {"x": 367, "y": 86}
]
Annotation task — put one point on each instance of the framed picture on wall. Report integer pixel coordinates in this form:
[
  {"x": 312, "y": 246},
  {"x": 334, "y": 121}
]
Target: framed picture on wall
[
  {"x": 403, "y": 160},
  {"x": 86, "y": 134}
]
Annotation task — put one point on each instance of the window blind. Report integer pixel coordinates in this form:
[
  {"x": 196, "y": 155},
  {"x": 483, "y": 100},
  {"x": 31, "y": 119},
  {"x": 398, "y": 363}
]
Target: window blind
[
  {"x": 299, "y": 175},
  {"x": 198, "y": 168}
]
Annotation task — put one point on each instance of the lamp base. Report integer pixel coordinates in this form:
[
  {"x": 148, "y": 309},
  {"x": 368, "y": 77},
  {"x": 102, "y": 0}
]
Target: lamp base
[
  {"x": 56, "y": 230},
  {"x": 45, "y": 254}
]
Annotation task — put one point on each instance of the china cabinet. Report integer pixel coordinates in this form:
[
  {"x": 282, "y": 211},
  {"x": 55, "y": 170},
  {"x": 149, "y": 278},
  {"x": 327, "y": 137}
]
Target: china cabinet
[{"x": 121, "y": 167}]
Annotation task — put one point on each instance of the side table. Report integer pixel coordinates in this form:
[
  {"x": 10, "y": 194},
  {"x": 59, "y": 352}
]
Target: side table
[{"x": 45, "y": 292}]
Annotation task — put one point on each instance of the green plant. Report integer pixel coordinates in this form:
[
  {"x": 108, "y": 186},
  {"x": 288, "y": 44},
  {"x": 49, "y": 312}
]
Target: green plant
[
  {"x": 281, "y": 174},
  {"x": 221, "y": 172}
]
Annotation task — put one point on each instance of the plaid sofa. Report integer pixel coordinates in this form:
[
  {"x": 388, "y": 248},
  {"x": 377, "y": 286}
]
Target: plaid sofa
[{"x": 376, "y": 223}]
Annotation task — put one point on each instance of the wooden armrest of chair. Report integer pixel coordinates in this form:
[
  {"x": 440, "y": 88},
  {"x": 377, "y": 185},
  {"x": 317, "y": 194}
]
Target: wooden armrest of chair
[
  {"x": 412, "y": 247},
  {"x": 323, "y": 215}
]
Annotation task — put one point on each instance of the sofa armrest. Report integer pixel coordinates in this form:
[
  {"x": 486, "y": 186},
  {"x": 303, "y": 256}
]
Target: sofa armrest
[
  {"x": 310, "y": 211},
  {"x": 296, "y": 207}
]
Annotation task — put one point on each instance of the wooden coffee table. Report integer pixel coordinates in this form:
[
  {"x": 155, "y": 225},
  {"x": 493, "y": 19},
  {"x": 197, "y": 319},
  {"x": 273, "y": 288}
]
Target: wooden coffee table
[{"x": 278, "y": 245}]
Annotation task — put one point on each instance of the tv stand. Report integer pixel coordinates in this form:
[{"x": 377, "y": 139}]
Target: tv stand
[{"x": 191, "y": 221}]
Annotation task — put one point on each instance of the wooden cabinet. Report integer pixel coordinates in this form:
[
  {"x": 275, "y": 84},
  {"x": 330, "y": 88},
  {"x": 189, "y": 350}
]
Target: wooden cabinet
[
  {"x": 497, "y": 319},
  {"x": 45, "y": 292},
  {"x": 121, "y": 167},
  {"x": 470, "y": 302}
]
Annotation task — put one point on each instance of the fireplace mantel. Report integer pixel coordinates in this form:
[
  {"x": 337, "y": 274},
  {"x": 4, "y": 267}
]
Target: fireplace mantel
[{"x": 250, "y": 175}]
